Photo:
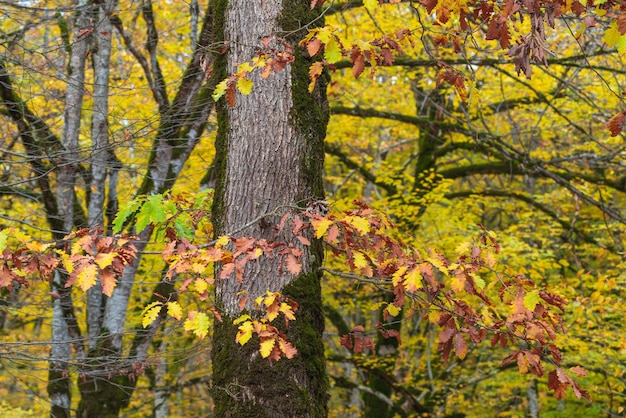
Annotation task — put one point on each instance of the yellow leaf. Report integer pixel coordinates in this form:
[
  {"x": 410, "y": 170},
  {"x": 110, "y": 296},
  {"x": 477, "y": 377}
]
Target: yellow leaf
[
  {"x": 287, "y": 311},
  {"x": 65, "y": 261},
  {"x": 413, "y": 280},
  {"x": 371, "y": 5},
  {"x": 266, "y": 347},
  {"x": 324, "y": 34},
  {"x": 245, "y": 332},
  {"x": 87, "y": 277},
  {"x": 360, "y": 224},
  {"x": 244, "y": 85},
  {"x": 270, "y": 298},
  {"x": 220, "y": 89},
  {"x": 222, "y": 241},
  {"x": 104, "y": 259},
  {"x": 621, "y": 44},
  {"x": 321, "y": 226},
  {"x": 612, "y": 35},
  {"x": 200, "y": 285},
  {"x": 458, "y": 283},
  {"x": 359, "y": 260},
  {"x": 392, "y": 309},
  {"x": 463, "y": 247},
  {"x": 174, "y": 310},
  {"x": 150, "y": 313},
  {"x": 397, "y": 276},
  {"x": 4, "y": 235},
  {"x": 241, "y": 319},
  {"x": 198, "y": 322},
  {"x": 434, "y": 316},
  {"x": 37, "y": 246}
]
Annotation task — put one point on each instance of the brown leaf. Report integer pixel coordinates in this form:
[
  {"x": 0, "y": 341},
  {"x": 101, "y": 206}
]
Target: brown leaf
[
  {"x": 616, "y": 123},
  {"x": 230, "y": 95},
  {"x": 358, "y": 66},
  {"x": 429, "y": 4},
  {"x": 313, "y": 46}
]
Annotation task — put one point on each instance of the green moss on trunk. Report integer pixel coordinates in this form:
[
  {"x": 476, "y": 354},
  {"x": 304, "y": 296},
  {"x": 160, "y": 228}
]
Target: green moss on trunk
[{"x": 244, "y": 384}]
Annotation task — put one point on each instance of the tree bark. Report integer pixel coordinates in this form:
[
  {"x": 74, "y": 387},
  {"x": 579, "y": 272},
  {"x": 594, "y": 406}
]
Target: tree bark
[
  {"x": 270, "y": 159},
  {"x": 60, "y": 351}
]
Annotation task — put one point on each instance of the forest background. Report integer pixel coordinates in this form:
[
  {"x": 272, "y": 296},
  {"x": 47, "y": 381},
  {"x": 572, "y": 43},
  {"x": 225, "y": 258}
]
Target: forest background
[{"x": 443, "y": 137}]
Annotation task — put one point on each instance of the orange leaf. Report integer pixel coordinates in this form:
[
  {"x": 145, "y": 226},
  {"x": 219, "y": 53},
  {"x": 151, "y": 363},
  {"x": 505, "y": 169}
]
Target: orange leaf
[{"x": 293, "y": 265}]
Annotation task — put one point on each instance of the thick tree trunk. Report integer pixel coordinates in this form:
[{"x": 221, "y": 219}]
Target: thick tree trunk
[{"x": 270, "y": 157}]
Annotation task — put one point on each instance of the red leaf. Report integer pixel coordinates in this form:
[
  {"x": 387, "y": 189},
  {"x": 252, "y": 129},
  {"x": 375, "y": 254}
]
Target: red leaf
[
  {"x": 358, "y": 328},
  {"x": 446, "y": 334},
  {"x": 429, "y": 4},
  {"x": 298, "y": 225},
  {"x": 580, "y": 371},
  {"x": 554, "y": 384},
  {"x": 227, "y": 270},
  {"x": 460, "y": 346},
  {"x": 303, "y": 240},
  {"x": 293, "y": 265},
  {"x": 346, "y": 341},
  {"x": 333, "y": 233}
]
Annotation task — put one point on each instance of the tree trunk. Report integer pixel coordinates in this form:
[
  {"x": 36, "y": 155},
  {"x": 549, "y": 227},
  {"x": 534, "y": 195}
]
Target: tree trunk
[
  {"x": 60, "y": 351},
  {"x": 270, "y": 159}
]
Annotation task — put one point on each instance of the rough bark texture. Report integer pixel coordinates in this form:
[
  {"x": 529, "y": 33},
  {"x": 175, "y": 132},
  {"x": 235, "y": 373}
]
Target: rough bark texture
[{"x": 270, "y": 156}]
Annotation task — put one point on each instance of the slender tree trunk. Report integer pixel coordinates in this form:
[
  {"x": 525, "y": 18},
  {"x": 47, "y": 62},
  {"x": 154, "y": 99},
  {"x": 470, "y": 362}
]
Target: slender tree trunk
[
  {"x": 60, "y": 351},
  {"x": 100, "y": 150},
  {"x": 270, "y": 155},
  {"x": 533, "y": 399}
]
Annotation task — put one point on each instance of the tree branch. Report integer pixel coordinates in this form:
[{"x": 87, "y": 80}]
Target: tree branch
[{"x": 565, "y": 224}]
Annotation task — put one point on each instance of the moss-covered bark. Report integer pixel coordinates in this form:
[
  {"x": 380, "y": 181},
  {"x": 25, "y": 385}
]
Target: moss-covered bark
[{"x": 244, "y": 384}]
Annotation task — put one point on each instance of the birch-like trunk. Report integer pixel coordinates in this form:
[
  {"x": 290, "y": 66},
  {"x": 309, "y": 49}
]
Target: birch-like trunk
[
  {"x": 100, "y": 151},
  {"x": 60, "y": 351},
  {"x": 270, "y": 159}
]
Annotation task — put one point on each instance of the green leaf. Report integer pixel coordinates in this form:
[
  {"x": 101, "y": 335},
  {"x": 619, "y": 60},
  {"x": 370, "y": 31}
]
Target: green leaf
[
  {"x": 531, "y": 299},
  {"x": 123, "y": 214},
  {"x": 152, "y": 212},
  {"x": 220, "y": 89},
  {"x": 332, "y": 51}
]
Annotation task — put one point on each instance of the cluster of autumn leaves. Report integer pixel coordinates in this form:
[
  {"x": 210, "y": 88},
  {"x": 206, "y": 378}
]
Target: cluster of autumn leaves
[{"x": 470, "y": 298}]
